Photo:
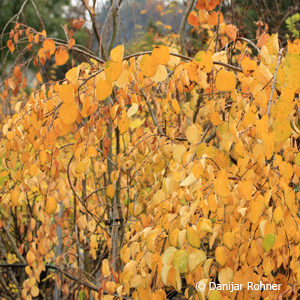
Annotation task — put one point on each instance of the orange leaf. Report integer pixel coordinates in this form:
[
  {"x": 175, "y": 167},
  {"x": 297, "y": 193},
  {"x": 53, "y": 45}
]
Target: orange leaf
[
  {"x": 214, "y": 17},
  {"x": 38, "y": 77},
  {"x": 71, "y": 43},
  {"x": 231, "y": 31},
  {"x": 51, "y": 205},
  {"x": 193, "y": 19},
  {"x": 10, "y": 46},
  {"x": 61, "y": 56},
  {"x": 77, "y": 23},
  {"x": 262, "y": 39},
  {"x": 207, "y": 4},
  {"x": 49, "y": 45}
]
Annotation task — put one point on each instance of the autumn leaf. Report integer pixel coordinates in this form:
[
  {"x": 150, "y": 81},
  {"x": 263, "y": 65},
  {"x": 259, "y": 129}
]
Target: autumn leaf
[
  {"x": 225, "y": 81},
  {"x": 61, "y": 56},
  {"x": 193, "y": 19},
  {"x": 231, "y": 31},
  {"x": 221, "y": 184},
  {"x": 68, "y": 112},
  {"x": 103, "y": 89},
  {"x": 117, "y": 53}
]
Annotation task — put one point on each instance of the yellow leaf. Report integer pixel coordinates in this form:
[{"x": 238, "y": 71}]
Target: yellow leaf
[
  {"x": 103, "y": 89},
  {"x": 81, "y": 167},
  {"x": 193, "y": 134},
  {"x": 180, "y": 261},
  {"x": 117, "y": 53},
  {"x": 34, "y": 291},
  {"x": 197, "y": 171},
  {"x": 205, "y": 225},
  {"x": 132, "y": 110},
  {"x": 193, "y": 237},
  {"x": 12, "y": 258},
  {"x": 164, "y": 274},
  {"x": 297, "y": 159},
  {"x": 248, "y": 66},
  {"x": 68, "y": 113},
  {"x": 51, "y": 205},
  {"x": 92, "y": 151},
  {"x": 225, "y": 275},
  {"x": 189, "y": 180},
  {"x": 278, "y": 214},
  {"x": 148, "y": 65},
  {"x": 196, "y": 258},
  {"x": 220, "y": 255},
  {"x": 113, "y": 70},
  {"x": 72, "y": 75},
  {"x": 173, "y": 237},
  {"x": 30, "y": 257},
  {"x": 14, "y": 196},
  {"x": 228, "y": 239},
  {"x": 256, "y": 208},
  {"x": 105, "y": 268},
  {"x": 123, "y": 124},
  {"x": 43, "y": 157},
  {"x": 110, "y": 191},
  {"x": 168, "y": 255},
  {"x": 225, "y": 81},
  {"x": 111, "y": 287},
  {"x": 176, "y": 106},
  {"x": 171, "y": 185},
  {"x": 161, "y": 74},
  {"x": 161, "y": 55},
  {"x": 204, "y": 60},
  {"x": 221, "y": 184},
  {"x": 215, "y": 295},
  {"x": 123, "y": 80},
  {"x": 178, "y": 151},
  {"x": 151, "y": 242},
  {"x": 33, "y": 170},
  {"x": 282, "y": 130},
  {"x": 66, "y": 93}
]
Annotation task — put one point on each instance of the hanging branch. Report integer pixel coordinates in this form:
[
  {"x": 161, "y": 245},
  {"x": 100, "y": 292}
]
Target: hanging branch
[
  {"x": 96, "y": 31},
  {"x": 183, "y": 24}
]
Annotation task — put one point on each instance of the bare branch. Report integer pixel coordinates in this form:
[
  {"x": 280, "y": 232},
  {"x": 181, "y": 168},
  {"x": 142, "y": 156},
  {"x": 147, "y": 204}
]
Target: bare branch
[
  {"x": 274, "y": 80},
  {"x": 183, "y": 24}
]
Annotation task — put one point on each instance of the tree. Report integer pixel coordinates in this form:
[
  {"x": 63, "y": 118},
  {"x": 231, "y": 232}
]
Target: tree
[{"x": 147, "y": 175}]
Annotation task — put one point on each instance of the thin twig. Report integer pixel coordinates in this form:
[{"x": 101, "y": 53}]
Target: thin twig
[
  {"x": 153, "y": 116},
  {"x": 245, "y": 40},
  {"x": 274, "y": 80}
]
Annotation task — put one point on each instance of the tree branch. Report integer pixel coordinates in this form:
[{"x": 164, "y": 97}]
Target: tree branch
[
  {"x": 274, "y": 80},
  {"x": 183, "y": 24}
]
